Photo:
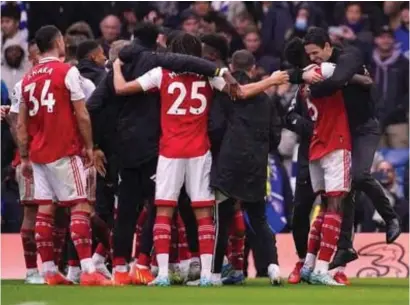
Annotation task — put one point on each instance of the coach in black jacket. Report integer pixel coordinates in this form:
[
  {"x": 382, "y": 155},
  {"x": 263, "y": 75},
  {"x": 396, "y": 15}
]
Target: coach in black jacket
[
  {"x": 252, "y": 131},
  {"x": 364, "y": 128},
  {"x": 128, "y": 127}
]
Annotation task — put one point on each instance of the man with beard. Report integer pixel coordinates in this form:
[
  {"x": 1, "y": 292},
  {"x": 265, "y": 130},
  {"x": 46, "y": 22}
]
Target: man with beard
[{"x": 364, "y": 129}]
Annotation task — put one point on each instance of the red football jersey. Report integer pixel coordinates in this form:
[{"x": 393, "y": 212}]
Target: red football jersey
[
  {"x": 185, "y": 103},
  {"x": 48, "y": 89},
  {"x": 331, "y": 130}
]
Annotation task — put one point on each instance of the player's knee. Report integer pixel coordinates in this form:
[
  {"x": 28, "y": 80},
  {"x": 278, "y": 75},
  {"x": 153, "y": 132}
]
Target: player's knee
[
  {"x": 165, "y": 211},
  {"x": 29, "y": 219},
  {"x": 202, "y": 212},
  {"x": 47, "y": 209},
  {"x": 82, "y": 207}
]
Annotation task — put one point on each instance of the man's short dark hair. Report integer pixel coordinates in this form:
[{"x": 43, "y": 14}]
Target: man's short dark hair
[
  {"x": 218, "y": 43},
  {"x": 295, "y": 53},
  {"x": 187, "y": 44},
  {"x": 147, "y": 33},
  {"x": 350, "y": 3},
  {"x": 85, "y": 48},
  {"x": 45, "y": 37},
  {"x": 317, "y": 36},
  {"x": 243, "y": 60},
  {"x": 11, "y": 10},
  {"x": 32, "y": 42}
]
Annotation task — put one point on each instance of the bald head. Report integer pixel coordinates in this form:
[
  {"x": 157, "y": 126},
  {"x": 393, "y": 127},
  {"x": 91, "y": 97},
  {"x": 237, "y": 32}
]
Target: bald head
[{"x": 110, "y": 28}]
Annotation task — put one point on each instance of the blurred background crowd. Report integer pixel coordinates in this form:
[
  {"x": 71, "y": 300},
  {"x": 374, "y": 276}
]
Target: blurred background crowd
[{"x": 379, "y": 29}]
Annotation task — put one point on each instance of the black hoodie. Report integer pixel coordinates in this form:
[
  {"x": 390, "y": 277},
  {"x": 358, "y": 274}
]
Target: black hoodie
[
  {"x": 241, "y": 166},
  {"x": 91, "y": 70}
]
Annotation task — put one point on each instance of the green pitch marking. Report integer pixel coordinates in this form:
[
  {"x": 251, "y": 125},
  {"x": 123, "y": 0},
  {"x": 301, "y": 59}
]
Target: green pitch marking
[{"x": 362, "y": 292}]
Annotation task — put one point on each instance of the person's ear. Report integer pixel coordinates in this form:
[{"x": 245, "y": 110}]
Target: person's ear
[{"x": 231, "y": 67}]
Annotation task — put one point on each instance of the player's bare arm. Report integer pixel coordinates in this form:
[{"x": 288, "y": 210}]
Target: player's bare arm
[
  {"x": 121, "y": 86},
  {"x": 23, "y": 140},
  {"x": 276, "y": 78},
  {"x": 11, "y": 119},
  {"x": 363, "y": 80},
  {"x": 84, "y": 126}
]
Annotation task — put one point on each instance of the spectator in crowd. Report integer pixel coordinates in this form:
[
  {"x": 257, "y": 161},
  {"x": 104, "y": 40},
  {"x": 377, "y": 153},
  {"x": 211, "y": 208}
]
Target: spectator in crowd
[
  {"x": 315, "y": 15},
  {"x": 190, "y": 22},
  {"x": 91, "y": 61},
  {"x": 253, "y": 43},
  {"x": 356, "y": 25},
  {"x": 110, "y": 28},
  {"x": 304, "y": 18},
  {"x": 129, "y": 21},
  {"x": 402, "y": 33},
  {"x": 201, "y": 8},
  {"x": 392, "y": 12},
  {"x": 229, "y": 9},
  {"x": 75, "y": 34},
  {"x": 390, "y": 71},
  {"x": 242, "y": 22},
  {"x": 15, "y": 64},
  {"x": 275, "y": 23},
  {"x": 371, "y": 220},
  {"x": 10, "y": 32}
]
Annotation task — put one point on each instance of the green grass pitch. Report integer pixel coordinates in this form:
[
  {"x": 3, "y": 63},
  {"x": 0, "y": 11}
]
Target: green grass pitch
[{"x": 362, "y": 292}]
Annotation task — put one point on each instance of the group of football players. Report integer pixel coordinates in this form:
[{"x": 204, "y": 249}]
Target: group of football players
[{"x": 57, "y": 178}]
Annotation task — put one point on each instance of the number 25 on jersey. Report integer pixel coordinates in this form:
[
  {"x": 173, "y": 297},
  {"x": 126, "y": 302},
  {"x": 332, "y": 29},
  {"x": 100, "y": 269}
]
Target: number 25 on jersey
[
  {"x": 46, "y": 99},
  {"x": 175, "y": 108}
]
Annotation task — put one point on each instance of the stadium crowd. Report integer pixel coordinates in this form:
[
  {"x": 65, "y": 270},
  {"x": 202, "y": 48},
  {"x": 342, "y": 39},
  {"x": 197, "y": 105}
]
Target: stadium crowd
[{"x": 125, "y": 156}]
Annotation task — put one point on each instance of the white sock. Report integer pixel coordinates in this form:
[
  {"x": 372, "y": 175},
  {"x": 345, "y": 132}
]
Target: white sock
[
  {"x": 341, "y": 269},
  {"x": 163, "y": 260},
  {"x": 121, "y": 268},
  {"x": 31, "y": 271},
  {"x": 225, "y": 261},
  {"x": 216, "y": 277},
  {"x": 301, "y": 260},
  {"x": 49, "y": 267},
  {"x": 273, "y": 270},
  {"x": 310, "y": 261},
  {"x": 73, "y": 271},
  {"x": 206, "y": 265},
  {"x": 87, "y": 265},
  {"x": 321, "y": 267},
  {"x": 98, "y": 259}
]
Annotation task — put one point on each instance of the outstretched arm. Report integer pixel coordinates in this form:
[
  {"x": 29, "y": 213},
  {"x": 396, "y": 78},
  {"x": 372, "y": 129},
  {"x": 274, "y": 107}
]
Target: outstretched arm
[{"x": 277, "y": 78}]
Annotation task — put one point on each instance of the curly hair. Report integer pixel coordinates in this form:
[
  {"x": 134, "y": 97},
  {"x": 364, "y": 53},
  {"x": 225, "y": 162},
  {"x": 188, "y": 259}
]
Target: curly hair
[{"x": 186, "y": 44}]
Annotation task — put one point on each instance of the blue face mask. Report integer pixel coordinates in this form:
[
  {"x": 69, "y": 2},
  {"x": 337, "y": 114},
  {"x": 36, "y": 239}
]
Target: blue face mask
[{"x": 301, "y": 24}]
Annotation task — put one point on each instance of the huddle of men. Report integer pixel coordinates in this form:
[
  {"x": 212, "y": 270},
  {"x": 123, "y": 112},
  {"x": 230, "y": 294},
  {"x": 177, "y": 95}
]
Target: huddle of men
[{"x": 189, "y": 144}]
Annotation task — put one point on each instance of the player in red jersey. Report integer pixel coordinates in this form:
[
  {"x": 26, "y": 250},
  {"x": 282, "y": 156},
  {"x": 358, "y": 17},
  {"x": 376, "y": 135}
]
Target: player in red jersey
[
  {"x": 53, "y": 125},
  {"x": 329, "y": 167},
  {"x": 184, "y": 148},
  {"x": 26, "y": 186}
]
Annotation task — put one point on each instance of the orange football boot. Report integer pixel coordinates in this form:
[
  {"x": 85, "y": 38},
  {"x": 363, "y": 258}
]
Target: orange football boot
[
  {"x": 341, "y": 278},
  {"x": 94, "y": 279},
  {"x": 54, "y": 279},
  {"x": 294, "y": 277},
  {"x": 121, "y": 278},
  {"x": 142, "y": 276}
]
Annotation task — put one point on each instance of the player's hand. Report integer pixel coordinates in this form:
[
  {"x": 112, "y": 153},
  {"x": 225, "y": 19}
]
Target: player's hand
[
  {"x": 89, "y": 158},
  {"x": 118, "y": 63},
  {"x": 280, "y": 77},
  {"x": 4, "y": 111},
  {"x": 26, "y": 168},
  {"x": 311, "y": 76},
  {"x": 99, "y": 162}
]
